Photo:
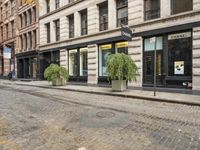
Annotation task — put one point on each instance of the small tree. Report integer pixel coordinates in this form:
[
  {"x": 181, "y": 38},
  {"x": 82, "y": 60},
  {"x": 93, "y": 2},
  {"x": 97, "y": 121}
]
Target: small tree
[
  {"x": 55, "y": 71},
  {"x": 121, "y": 67}
]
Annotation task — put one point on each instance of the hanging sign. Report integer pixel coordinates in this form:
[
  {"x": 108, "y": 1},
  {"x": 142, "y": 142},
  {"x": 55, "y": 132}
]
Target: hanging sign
[
  {"x": 126, "y": 33},
  {"x": 7, "y": 53}
]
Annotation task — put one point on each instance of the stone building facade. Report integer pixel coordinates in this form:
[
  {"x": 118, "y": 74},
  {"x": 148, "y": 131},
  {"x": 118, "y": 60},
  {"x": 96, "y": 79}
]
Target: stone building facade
[
  {"x": 27, "y": 41},
  {"x": 7, "y": 36},
  {"x": 79, "y": 35}
]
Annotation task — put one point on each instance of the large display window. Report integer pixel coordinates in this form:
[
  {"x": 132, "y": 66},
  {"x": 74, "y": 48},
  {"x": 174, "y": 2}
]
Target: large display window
[
  {"x": 83, "y": 61},
  {"x": 104, "y": 52},
  {"x": 73, "y": 62}
]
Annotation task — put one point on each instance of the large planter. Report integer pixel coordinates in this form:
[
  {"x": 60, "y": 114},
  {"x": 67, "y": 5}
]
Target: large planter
[
  {"x": 58, "y": 82},
  {"x": 119, "y": 85}
]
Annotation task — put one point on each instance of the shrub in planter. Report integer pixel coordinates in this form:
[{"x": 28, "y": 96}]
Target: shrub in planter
[
  {"x": 56, "y": 74},
  {"x": 121, "y": 68}
]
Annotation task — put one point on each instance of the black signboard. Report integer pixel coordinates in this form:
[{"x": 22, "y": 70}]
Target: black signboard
[{"x": 126, "y": 33}]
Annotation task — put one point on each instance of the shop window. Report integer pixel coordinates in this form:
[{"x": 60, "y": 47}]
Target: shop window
[
  {"x": 103, "y": 16},
  {"x": 152, "y": 9},
  {"x": 180, "y": 54},
  {"x": 122, "y": 12},
  {"x": 179, "y": 6},
  {"x": 83, "y": 62},
  {"x": 148, "y": 70},
  {"x": 73, "y": 62},
  {"x": 121, "y": 47},
  {"x": 104, "y": 52}
]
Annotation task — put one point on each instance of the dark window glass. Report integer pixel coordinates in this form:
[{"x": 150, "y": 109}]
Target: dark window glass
[
  {"x": 57, "y": 29},
  {"x": 12, "y": 29},
  {"x": 84, "y": 28},
  {"x": 6, "y": 10},
  {"x": 12, "y": 7},
  {"x": 180, "y": 54},
  {"x": 179, "y": 6},
  {"x": 122, "y": 12},
  {"x": 103, "y": 16},
  {"x": 152, "y": 9},
  {"x": 57, "y": 4},
  {"x": 71, "y": 26},
  {"x": 6, "y": 31},
  {"x": 48, "y": 33},
  {"x": 48, "y": 5}
]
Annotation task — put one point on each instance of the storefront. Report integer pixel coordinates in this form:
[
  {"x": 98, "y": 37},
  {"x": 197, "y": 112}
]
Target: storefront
[
  {"x": 104, "y": 51},
  {"x": 78, "y": 64},
  {"x": 174, "y": 60}
]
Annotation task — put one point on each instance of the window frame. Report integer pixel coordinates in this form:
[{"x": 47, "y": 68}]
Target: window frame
[
  {"x": 172, "y": 8},
  {"x": 120, "y": 8}
]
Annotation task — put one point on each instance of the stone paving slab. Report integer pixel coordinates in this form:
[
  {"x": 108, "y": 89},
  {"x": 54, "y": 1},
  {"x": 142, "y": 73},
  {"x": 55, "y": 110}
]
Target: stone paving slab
[{"x": 188, "y": 99}]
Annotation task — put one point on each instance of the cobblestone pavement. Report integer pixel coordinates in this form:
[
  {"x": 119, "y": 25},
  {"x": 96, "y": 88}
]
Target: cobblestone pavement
[{"x": 43, "y": 119}]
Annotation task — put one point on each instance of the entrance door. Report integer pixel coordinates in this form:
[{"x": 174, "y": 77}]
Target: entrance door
[{"x": 149, "y": 68}]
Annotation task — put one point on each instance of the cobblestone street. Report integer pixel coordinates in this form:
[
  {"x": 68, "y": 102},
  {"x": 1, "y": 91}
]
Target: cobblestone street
[{"x": 44, "y": 119}]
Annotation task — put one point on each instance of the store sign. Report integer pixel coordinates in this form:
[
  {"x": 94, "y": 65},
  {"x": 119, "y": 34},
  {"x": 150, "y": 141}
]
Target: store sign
[
  {"x": 122, "y": 44},
  {"x": 105, "y": 47},
  {"x": 179, "y": 36},
  {"x": 7, "y": 53},
  {"x": 126, "y": 33},
  {"x": 179, "y": 67}
]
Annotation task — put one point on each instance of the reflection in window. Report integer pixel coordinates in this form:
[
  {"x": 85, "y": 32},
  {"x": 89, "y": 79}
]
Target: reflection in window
[
  {"x": 104, "y": 52},
  {"x": 178, "y": 6},
  {"x": 73, "y": 63},
  {"x": 83, "y": 62}
]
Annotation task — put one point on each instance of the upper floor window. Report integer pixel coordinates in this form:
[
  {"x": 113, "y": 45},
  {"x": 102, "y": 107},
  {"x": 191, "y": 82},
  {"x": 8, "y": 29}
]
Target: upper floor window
[
  {"x": 1, "y": 11},
  {"x": 48, "y": 31},
  {"x": 34, "y": 14},
  {"x": 6, "y": 10},
  {"x": 57, "y": 29},
  {"x": 178, "y": 6},
  {"x": 12, "y": 29},
  {"x": 71, "y": 26},
  {"x": 30, "y": 16},
  {"x": 151, "y": 9},
  {"x": 12, "y": 7},
  {"x": 57, "y": 4},
  {"x": 84, "y": 23},
  {"x": 70, "y": 1},
  {"x": 48, "y": 5},
  {"x": 122, "y": 12},
  {"x": 103, "y": 16},
  {"x": 7, "y": 31}
]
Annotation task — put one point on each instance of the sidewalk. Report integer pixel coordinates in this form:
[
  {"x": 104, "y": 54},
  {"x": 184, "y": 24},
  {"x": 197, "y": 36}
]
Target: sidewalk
[{"x": 187, "y": 99}]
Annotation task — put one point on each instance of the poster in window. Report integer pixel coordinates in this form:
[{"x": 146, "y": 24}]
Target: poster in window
[{"x": 179, "y": 67}]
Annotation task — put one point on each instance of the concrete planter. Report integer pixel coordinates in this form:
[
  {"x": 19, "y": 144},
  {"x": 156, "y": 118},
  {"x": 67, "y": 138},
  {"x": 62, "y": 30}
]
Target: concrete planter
[
  {"x": 119, "y": 85},
  {"x": 59, "y": 82}
]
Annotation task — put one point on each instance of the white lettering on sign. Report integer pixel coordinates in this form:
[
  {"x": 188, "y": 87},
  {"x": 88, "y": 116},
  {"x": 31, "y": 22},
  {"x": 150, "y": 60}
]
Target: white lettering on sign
[
  {"x": 179, "y": 36},
  {"x": 126, "y": 34}
]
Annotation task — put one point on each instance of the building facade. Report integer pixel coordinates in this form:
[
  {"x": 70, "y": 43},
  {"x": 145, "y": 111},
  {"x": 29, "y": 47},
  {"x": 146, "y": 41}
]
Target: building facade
[
  {"x": 7, "y": 36},
  {"x": 27, "y": 41},
  {"x": 81, "y": 34}
]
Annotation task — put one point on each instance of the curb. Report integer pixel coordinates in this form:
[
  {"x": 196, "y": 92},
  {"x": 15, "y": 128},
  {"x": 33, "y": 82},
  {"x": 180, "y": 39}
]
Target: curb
[{"x": 120, "y": 95}]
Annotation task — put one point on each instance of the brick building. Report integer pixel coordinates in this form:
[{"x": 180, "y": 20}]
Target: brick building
[
  {"x": 27, "y": 39},
  {"x": 81, "y": 34},
  {"x": 7, "y": 36}
]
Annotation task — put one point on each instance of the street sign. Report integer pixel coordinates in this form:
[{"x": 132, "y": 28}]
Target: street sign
[
  {"x": 7, "y": 53},
  {"x": 126, "y": 33}
]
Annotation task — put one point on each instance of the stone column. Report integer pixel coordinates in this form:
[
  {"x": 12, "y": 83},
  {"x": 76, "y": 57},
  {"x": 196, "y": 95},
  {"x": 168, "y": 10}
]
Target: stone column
[
  {"x": 135, "y": 52},
  {"x": 196, "y": 4},
  {"x": 64, "y": 58},
  {"x": 112, "y": 22},
  {"x": 64, "y": 28},
  {"x": 93, "y": 20},
  {"x": 53, "y": 34},
  {"x": 92, "y": 64},
  {"x": 165, "y": 8},
  {"x": 196, "y": 58},
  {"x": 77, "y": 24}
]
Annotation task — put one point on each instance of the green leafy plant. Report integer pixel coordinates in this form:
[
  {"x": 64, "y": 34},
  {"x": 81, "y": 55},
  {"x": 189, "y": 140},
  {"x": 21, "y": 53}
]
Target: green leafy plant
[
  {"x": 121, "y": 67},
  {"x": 55, "y": 71}
]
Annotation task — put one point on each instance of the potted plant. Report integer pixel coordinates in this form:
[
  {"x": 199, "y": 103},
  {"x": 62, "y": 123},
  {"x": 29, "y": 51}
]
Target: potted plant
[
  {"x": 121, "y": 68},
  {"x": 56, "y": 74}
]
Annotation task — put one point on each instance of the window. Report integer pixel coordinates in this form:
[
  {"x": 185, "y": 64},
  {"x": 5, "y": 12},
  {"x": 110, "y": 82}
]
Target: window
[
  {"x": 48, "y": 30},
  {"x": 34, "y": 39},
  {"x": 57, "y": 29},
  {"x": 180, "y": 54},
  {"x": 122, "y": 12},
  {"x": 6, "y": 10},
  {"x": 34, "y": 14},
  {"x": 83, "y": 62},
  {"x": 2, "y": 33},
  {"x": 178, "y": 6},
  {"x": 71, "y": 26},
  {"x": 57, "y": 4},
  {"x": 1, "y": 13},
  {"x": 121, "y": 47},
  {"x": 152, "y": 9},
  {"x": 12, "y": 29},
  {"x": 30, "y": 40},
  {"x": 7, "y": 31},
  {"x": 21, "y": 42},
  {"x": 12, "y": 7},
  {"x": 30, "y": 16},
  {"x": 84, "y": 28},
  {"x": 103, "y": 16},
  {"x": 73, "y": 62},
  {"x": 25, "y": 42},
  {"x": 25, "y": 19},
  {"x": 104, "y": 52},
  {"x": 21, "y": 21},
  {"x": 71, "y": 1},
  {"x": 48, "y": 6}
]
